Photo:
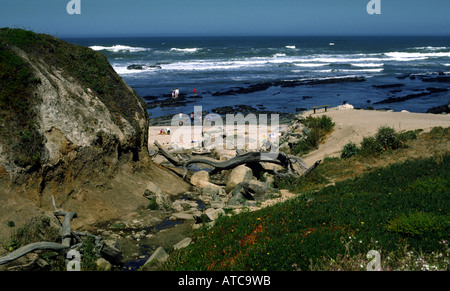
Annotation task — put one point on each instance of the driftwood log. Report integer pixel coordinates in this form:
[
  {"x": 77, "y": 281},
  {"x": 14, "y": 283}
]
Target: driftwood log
[
  {"x": 295, "y": 166},
  {"x": 65, "y": 245}
]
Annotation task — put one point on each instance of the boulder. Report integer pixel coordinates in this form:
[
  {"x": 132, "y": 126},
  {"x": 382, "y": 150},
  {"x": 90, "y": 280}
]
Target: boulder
[
  {"x": 103, "y": 265},
  {"x": 237, "y": 199},
  {"x": 212, "y": 189},
  {"x": 213, "y": 214},
  {"x": 159, "y": 255},
  {"x": 255, "y": 190},
  {"x": 199, "y": 178},
  {"x": 238, "y": 175},
  {"x": 252, "y": 190},
  {"x": 111, "y": 252},
  {"x": 80, "y": 134},
  {"x": 183, "y": 243},
  {"x": 153, "y": 192}
]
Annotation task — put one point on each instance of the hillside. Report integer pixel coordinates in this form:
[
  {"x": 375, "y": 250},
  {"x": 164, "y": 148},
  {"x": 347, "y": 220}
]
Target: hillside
[
  {"x": 71, "y": 128},
  {"x": 392, "y": 201}
]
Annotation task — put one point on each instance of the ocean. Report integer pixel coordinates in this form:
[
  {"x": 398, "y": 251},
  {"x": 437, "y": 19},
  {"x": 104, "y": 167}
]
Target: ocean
[{"x": 291, "y": 74}]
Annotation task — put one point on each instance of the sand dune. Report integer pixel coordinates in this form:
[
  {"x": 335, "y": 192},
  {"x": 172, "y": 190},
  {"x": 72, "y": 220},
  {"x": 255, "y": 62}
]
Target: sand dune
[{"x": 354, "y": 125}]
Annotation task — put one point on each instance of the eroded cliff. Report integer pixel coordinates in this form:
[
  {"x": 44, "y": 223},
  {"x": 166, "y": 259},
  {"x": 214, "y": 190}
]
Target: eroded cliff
[{"x": 71, "y": 128}]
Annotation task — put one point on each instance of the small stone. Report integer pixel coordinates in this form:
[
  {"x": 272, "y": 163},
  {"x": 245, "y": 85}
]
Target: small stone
[{"x": 183, "y": 243}]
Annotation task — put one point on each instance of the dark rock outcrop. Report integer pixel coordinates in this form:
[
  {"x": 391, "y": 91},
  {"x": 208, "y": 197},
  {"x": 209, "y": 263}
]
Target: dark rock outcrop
[
  {"x": 287, "y": 84},
  {"x": 440, "y": 109}
]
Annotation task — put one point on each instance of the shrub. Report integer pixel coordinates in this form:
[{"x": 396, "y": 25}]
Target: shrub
[
  {"x": 152, "y": 204},
  {"x": 318, "y": 127},
  {"x": 439, "y": 132},
  {"x": 324, "y": 123},
  {"x": 419, "y": 223},
  {"x": 385, "y": 140},
  {"x": 370, "y": 147},
  {"x": 37, "y": 229},
  {"x": 349, "y": 150},
  {"x": 388, "y": 138},
  {"x": 408, "y": 135}
]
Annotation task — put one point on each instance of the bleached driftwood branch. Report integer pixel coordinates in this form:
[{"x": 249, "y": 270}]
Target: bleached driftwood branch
[
  {"x": 295, "y": 166},
  {"x": 65, "y": 233}
]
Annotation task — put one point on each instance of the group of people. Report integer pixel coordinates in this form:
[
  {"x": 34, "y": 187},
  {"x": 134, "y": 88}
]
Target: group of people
[
  {"x": 176, "y": 92},
  {"x": 164, "y": 131}
]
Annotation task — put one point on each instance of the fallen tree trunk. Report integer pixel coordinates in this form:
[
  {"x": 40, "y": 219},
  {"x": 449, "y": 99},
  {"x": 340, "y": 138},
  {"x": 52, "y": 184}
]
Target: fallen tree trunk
[
  {"x": 50, "y": 246},
  {"x": 294, "y": 165}
]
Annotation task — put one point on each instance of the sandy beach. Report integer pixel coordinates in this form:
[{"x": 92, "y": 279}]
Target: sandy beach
[{"x": 351, "y": 126}]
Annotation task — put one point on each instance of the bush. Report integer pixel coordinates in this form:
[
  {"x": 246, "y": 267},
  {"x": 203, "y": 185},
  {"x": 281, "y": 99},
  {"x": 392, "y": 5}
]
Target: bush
[
  {"x": 349, "y": 150},
  {"x": 385, "y": 140},
  {"x": 318, "y": 127},
  {"x": 419, "y": 223},
  {"x": 388, "y": 138},
  {"x": 324, "y": 123},
  {"x": 408, "y": 135},
  {"x": 37, "y": 229},
  {"x": 370, "y": 147},
  {"x": 439, "y": 132}
]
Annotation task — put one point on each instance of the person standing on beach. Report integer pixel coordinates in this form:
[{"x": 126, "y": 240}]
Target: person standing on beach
[
  {"x": 195, "y": 92},
  {"x": 177, "y": 91},
  {"x": 180, "y": 123},
  {"x": 173, "y": 93}
]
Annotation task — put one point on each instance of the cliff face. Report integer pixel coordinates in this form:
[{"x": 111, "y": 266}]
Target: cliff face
[
  {"x": 66, "y": 119},
  {"x": 55, "y": 89}
]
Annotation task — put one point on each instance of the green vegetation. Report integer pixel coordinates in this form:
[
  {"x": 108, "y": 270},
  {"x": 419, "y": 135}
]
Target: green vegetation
[
  {"x": 400, "y": 211},
  {"x": 317, "y": 129},
  {"x": 37, "y": 229},
  {"x": 16, "y": 107},
  {"x": 349, "y": 150},
  {"x": 385, "y": 140}
]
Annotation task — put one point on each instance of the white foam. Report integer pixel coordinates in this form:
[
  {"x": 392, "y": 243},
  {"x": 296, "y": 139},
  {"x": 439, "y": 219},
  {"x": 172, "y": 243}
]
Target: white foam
[
  {"x": 363, "y": 71},
  {"x": 210, "y": 65},
  {"x": 293, "y": 47},
  {"x": 185, "y": 50},
  {"x": 368, "y": 65},
  {"x": 118, "y": 48},
  {"x": 311, "y": 65},
  {"x": 430, "y": 48},
  {"x": 355, "y": 58},
  {"x": 447, "y": 65},
  {"x": 405, "y": 56},
  {"x": 123, "y": 70},
  {"x": 350, "y": 71}
]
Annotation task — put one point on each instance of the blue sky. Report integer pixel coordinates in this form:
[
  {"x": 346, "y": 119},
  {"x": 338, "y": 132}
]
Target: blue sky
[{"x": 227, "y": 17}]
